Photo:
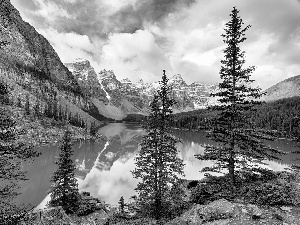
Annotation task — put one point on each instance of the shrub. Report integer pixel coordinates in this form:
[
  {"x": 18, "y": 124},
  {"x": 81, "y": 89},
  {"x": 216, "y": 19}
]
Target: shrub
[
  {"x": 211, "y": 189},
  {"x": 86, "y": 209},
  {"x": 265, "y": 187},
  {"x": 279, "y": 192}
]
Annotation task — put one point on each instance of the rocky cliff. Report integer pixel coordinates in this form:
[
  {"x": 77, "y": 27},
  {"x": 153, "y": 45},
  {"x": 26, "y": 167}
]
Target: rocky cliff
[
  {"x": 32, "y": 69},
  {"x": 29, "y": 51}
]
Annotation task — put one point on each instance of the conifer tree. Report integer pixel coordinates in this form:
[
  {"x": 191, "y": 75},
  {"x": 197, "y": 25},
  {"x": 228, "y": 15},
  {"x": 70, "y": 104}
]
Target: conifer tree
[
  {"x": 64, "y": 190},
  {"x": 93, "y": 130},
  {"x": 19, "y": 102},
  {"x": 27, "y": 105},
  {"x": 121, "y": 205},
  {"x": 36, "y": 108},
  {"x": 157, "y": 163},
  {"x": 240, "y": 144},
  {"x": 12, "y": 153}
]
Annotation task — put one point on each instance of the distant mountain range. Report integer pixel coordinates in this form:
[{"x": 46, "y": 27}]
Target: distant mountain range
[
  {"x": 116, "y": 98},
  {"x": 31, "y": 67}
]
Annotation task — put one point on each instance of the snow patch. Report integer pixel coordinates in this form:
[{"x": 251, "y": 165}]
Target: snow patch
[
  {"x": 79, "y": 60},
  {"x": 107, "y": 95}
]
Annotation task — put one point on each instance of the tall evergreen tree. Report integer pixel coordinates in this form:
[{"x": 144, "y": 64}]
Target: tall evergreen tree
[
  {"x": 19, "y": 102},
  {"x": 64, "y": 190},
  {"x": 121, "y": 205},
  {"x": 12, "y": 154},
  {"x": 27, "y": 105},
  {"x": 240, "y": 144},
  {"x": 36, "y": 108},
  {"x": 93, "y": 129},
  {"x": 157, "y": 163}
]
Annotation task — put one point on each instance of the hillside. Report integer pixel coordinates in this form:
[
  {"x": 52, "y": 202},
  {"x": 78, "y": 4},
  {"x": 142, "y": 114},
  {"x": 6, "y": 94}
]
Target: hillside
[
  {"x": 35, "y": 75},
  {"x": 284, "y": 89},
  {"x": 281, "y": 115}
]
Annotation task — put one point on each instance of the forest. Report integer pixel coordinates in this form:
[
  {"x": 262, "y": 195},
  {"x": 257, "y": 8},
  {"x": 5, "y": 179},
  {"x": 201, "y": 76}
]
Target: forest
[{"x": 282, "y": 115}]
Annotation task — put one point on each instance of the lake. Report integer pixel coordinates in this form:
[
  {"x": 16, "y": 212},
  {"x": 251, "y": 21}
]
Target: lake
[{"x": 103, "y": 166}]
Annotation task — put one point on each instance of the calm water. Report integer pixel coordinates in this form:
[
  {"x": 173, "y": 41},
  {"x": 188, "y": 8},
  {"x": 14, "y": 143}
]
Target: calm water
[{"x": 103, "y": 166}]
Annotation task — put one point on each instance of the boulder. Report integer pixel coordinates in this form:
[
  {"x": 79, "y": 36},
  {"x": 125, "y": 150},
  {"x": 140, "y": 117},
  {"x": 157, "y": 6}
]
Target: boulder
[
  {"x": 216, "y": 210},
  {"x": 254, "y": 211},
  {"x": 219, "y": 209}
]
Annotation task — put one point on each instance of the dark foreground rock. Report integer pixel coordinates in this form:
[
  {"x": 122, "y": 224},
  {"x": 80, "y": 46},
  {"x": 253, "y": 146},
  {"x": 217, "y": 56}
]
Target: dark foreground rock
[
  {"x": 57, "y": 216},
  {"x": 223, "y": 212}
]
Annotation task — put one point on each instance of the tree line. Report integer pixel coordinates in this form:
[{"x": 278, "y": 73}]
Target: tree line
[{"x": 282, "y": 116}]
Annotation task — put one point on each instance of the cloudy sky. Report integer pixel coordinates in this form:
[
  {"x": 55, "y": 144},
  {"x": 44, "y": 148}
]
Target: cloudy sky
[{"x": 139, "y": 38}]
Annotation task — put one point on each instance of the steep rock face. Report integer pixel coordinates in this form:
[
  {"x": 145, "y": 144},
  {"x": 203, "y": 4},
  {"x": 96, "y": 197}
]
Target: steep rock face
[
  {"x": 131, "y": 92},
  {"x": 177, "y": 81},
  {"x": 119, "y": 98},
  {"x": 111, "y": 86},
  {"x": 30, "y": 51},
  {"x": 118, "y": 105},
  {"x": 30, "y": 67},
  {"x": 188, "y": 97},
  {"x": 284, "y": 89},
  {"x": 200, "y": 94},
  {"x": 87, "y": 79}
]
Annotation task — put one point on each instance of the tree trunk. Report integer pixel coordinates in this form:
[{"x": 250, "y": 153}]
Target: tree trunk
[
  {"x": 231, "y": 171},
  {"x": 231, "y": 166}
]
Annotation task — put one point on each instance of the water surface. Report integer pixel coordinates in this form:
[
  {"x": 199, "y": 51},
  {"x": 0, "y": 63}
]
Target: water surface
[{"x": 103, "y": 166}]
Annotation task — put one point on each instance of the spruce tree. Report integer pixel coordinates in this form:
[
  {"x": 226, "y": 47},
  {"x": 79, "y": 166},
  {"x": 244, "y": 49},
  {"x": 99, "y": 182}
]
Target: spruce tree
[
  {"x": 27, "y": 105},
  {"x": 64, "y": 190},
  {"x": 157, "y": 163},
  {"x": 93, "y": 129},
  {"x": 12, "y": 153},
  {"x": 36, "y": 108},
  {"x": 121, "y": 205},
  {"x": 239, "y": 144},
  {"x": 19, "y": 102}
]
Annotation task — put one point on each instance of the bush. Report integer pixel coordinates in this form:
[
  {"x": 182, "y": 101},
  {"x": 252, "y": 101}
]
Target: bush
[
  {"x": 86, "y": 209},
  {"x": 118, "y": 218},
  {"x": 174, "y": 203},
  {"x": 265, "y": 187},
  {"x": 281, "y": 191},
  {"x": 211, "y": 189}
]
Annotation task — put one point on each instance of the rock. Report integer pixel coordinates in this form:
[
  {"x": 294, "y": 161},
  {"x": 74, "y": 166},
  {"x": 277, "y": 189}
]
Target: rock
[
  {"x": 254, "y": 211},
  {"x": 198, "y": 214},
  {"x": 285, "y": 208},
  {"x": 219, "y": 209},
  {"x": 286, "y": 217}
]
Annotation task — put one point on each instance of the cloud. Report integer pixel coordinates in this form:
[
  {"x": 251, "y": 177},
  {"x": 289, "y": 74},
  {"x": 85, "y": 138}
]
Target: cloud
[
  {"x": 139, "y": 38},
  {"x": 98, "y": 18},
  {"x": 70, "y": 46},
  {"x": 118, "y": 178},
  {"x": 135, "y": 56},
  {"x": 50, "y": 10}
]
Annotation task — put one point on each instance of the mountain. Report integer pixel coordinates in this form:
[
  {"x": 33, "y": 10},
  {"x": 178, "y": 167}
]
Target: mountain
[
  {"x": 29, "y": 52},
  {"x": 284, "y": 89},
  {"x": 32, "y": 70},
  {"x": 87, "y": 79},
  {"x": 123, "y": 97},
  {"x": 119, "y": 104}
]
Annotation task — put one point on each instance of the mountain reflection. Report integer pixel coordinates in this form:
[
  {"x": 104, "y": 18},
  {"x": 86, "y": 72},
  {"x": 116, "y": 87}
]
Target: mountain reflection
[{"x": 103, "y": 166}]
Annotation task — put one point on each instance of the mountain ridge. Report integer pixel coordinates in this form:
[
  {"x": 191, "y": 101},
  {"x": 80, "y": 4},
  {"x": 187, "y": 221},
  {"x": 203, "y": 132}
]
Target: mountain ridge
[
  {"x": 33, "y": 71},
  {"x": 124, "y": 97},
  {"x": 287, "y": 88}
]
